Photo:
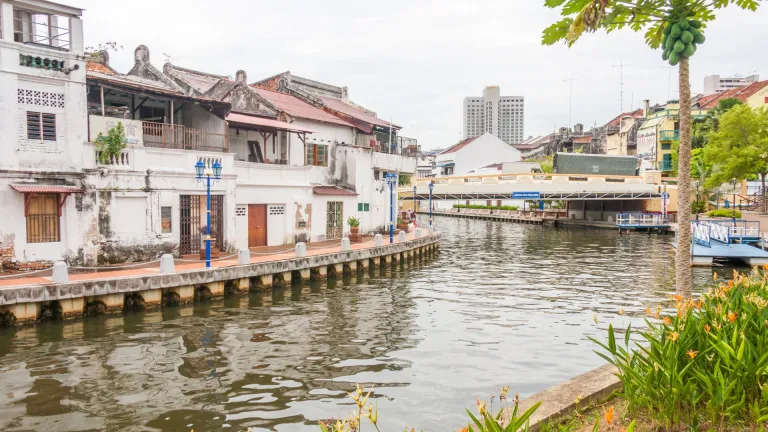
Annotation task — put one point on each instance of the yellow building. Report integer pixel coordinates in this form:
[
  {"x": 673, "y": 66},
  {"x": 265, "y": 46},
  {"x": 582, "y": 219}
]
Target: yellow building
[{"x": 658, "y": 135}]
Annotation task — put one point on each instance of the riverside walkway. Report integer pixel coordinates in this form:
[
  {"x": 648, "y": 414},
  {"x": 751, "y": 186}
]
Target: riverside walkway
[{"x": 25, "y": 298}]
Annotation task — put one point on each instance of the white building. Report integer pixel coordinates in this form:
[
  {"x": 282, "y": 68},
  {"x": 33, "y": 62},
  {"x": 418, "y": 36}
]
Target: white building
[
  {"x": 42, "y": 130},
  {"x": 291, "y": 172},
  {"x": 502, "y": 116},
  {"x": 717, "y": 84},
  {"x": 474, "y": 154}
]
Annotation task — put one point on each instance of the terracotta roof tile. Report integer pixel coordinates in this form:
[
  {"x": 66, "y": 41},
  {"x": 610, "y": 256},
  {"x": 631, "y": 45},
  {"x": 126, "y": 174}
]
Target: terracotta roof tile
[
  {"x": 616, "y": 120},
  {"x": 582, "y": 140},
  {"x": 38, "y": 188},
  {"x": 296, "y": 107},
  {"x": 740, "y": 93},
  {"x": 332, "y": 190},
  {"x": 354, "y": 112},
  {"x": 460, "y": 145},
  {"x": 98, "y": 67}
]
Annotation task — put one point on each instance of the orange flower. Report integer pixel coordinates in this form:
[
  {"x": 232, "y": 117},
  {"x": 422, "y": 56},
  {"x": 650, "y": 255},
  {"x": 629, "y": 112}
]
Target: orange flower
[
  {"x": 707, "y": 328},
  {"x": 678, "y": 298},
  {"x": 699, "y": 305},
  {"x": 608, "y": 414},
  {"x": 673, "y": 336},
  {"x": 648, "y": 311},
  {"x": 692, "y": 354},
  {"x": 667, "y": 321},
  {"x": 732, "y": 317}
]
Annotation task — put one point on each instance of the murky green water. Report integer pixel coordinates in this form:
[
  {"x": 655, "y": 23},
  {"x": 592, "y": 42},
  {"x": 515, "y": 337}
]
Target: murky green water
[{"x": 502, "y": 304}]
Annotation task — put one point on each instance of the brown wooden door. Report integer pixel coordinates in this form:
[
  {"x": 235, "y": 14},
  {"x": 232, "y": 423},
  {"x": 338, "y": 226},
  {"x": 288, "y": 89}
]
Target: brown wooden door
[{"x": 257, "y": 225}]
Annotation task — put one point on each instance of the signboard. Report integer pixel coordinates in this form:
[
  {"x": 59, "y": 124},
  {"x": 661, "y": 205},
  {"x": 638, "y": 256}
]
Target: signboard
[
  {"x": 134, "y": 134},
  {"x": 646, "y": 144},
  {"x": 526, "y": 195}
]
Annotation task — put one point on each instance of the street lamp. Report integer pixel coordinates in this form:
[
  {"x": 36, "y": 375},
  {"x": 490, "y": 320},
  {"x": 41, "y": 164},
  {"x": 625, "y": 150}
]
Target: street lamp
[
  {"x": 414, "y": 202},
  {"x": 697, "y": 199},
  {"x": 391, "y": 179},
  {"x": 733, "y": 182},
  {"x": 204, "y": 173},
  {"x": 431, "y": 187}
]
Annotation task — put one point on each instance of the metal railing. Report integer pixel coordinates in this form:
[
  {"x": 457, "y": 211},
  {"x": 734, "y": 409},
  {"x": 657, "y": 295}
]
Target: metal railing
[
  {"x": 180, "y": 137},
  {"x": 641, "y": 219},
  {"x": 669, "y": 135}
]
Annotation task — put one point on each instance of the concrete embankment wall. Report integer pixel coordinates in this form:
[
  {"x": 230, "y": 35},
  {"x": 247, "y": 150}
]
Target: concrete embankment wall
[{"x": 30, "y": 303}]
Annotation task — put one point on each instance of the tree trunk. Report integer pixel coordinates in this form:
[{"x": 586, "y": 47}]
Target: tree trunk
[
  {"x": 683, "y": 255},
  {"x": 762, "y": 192}
]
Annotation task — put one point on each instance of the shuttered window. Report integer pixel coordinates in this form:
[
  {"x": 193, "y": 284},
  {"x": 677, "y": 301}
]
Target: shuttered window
[
  {"x": 317, "y": 154},
  {"x": 43, "y": 218},
  {"x": 41, "y": 126}
]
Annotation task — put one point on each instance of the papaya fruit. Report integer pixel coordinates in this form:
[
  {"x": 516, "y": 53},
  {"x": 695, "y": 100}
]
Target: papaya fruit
[
  {"x": 689, "y": 50},
  {"x": 665, "y": 55},
  {"x": 694, "y": 31},
  {"x": 679, "y": 47},
  {"x": 695, "y": 24},
  {"x": 686, "y": 37},
  {"x": 674, "y": 58},
  {"x": 699, "y": 38},
  {"x": 667, "y": 29},
  {"x": 676, "y": 30},
  {"x": 683, "y": 24},
  {"x": 664, "y": 41}
]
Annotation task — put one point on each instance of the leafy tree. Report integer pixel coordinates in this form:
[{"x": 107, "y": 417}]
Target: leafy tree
[
  {"x": 403, "y": 180},
  {"x": 677, "y": 27},
  {"x": 739, "y": 147},
  {"x": 110, "y": 146}
]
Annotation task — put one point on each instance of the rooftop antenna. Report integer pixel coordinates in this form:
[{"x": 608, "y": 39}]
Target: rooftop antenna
[
  {"x": 168, "y": 58},
  {"x": 621, "y": 84},
  {"x": 570, "y": 98},
  {"x": 669, "y": 81}
]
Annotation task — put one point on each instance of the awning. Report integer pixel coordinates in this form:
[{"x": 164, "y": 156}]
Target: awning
[
  {"x": 332, "y": 190},
  {"x": 38, "y": 188},
  {"x": 264, "y": 122},
  {"x": 652, "y": 123},
  {"x": 447, "y": 164}
]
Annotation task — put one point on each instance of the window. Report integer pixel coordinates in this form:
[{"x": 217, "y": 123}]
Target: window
[
  {"x": 375, "y": 174},
  {"x": 165, "y": 220},
  {"x": 41, "y": 126},
  {"x": 666, "y": 146},
  {"x": 363, "y": 207},
  {"x": 43, "y": 218},
  {"x": 317, "y": 154}
]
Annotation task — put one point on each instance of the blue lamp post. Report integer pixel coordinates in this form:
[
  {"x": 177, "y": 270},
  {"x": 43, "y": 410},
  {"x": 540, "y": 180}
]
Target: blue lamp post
[
  {"x": 431, "y": 187},
  {"x": 391, "y": 179},
  {"x": 414, "y": 203},
  {"x": 204, "y": 173}
]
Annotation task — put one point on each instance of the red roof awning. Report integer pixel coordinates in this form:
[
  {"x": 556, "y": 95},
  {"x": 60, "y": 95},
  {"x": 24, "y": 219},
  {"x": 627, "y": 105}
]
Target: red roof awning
[
  {"x": 263, "y": 122},
  {"x": 36, "y": 188},
  {"x": 332, "y": 190}
]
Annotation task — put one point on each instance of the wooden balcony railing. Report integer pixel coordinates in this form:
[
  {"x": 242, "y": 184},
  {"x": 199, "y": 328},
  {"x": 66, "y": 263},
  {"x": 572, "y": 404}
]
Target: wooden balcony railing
[{"x": 183, "y": 138}]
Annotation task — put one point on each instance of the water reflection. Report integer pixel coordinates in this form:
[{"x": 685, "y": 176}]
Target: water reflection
[{"x": 502, "y": 304}]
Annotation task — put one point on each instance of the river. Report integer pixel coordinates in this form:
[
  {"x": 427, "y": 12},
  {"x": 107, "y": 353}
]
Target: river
[{"x": 502, "y": 304}]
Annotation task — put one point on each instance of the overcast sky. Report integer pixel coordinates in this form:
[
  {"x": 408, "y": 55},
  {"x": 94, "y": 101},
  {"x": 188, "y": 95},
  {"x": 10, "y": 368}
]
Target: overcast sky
[{"x": 415, "y": 60}]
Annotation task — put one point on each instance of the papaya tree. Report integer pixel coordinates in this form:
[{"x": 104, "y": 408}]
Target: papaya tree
[{"x": 677, "y": 28}]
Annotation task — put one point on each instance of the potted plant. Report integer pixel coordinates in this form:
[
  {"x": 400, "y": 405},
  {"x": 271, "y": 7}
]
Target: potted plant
[
  {"x": 401, "y": 224},
  {"x": 354, "y": 225}
]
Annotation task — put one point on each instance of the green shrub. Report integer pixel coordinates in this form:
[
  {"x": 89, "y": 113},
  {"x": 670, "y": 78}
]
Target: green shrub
[
  {"x": 728, "y": 213},
  {"x": 484, "y": 207},
  {"x": 353, "y": 222},
  {"x": 706, "y": 363}
]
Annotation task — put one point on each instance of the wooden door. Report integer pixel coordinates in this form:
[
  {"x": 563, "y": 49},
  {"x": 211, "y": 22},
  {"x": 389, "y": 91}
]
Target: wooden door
[{"x": 257, "y": 225}]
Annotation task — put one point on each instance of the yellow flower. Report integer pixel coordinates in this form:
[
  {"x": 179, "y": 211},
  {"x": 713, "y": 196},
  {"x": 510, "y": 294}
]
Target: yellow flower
[
  {"x": 707, "y": 328},
  {"x": 621, "y": 311},
  {"x": 481, "y": 407},
  {"x": 673, "y": 336},
  {"x": 692, "y": 354},
  {"x": 714, "y": 276},
  {"x": 594, "y": 318},
  {"x": 503, "y": 393},
  {"x": 608, "y": 414}
]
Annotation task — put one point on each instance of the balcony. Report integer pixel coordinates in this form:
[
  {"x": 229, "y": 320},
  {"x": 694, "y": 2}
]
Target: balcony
[
  {"x": 669, "y": 135},
  {"x": 161, "y": 135}
]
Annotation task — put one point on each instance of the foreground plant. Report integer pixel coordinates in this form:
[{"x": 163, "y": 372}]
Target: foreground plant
[
  {"x": 485, "y": 422},
  {"x": 707, "y": 363}
]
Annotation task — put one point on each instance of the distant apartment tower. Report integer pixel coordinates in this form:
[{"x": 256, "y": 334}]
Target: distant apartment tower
[
  {"x": 716, "y": 84},
  {"x": 498, "y": 115}
]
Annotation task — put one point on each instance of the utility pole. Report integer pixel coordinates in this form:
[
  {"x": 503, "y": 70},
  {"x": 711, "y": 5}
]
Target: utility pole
[
  {"x": 570, "y": 98},
  {"x": 621, "y": 85},
  {"x": 669, "y": 81}
]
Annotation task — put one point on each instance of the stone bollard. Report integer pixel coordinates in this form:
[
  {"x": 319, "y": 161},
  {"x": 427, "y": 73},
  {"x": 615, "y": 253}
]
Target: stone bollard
[
  {"x": 60, "y": 272},
  {"x": 301, "y": 250},
  {"x": 243, "y": 256},
  {"x": 401, "y": 237},
  {"x": 345, "y": 246},
  {"x": 431, "y": 230},
  {"x": 419, "y": 233},
  {"x": 378, "y": 241},
  {"x": 166, "y": 264}
]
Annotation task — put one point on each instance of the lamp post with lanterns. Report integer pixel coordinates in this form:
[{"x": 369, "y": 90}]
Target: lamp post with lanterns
[
  {"x": 698, "y": 203},
  {"x": 733, "y": 182},
  {"x": 431, "y": 187},
  {"x": 391, "y": 179},
  {"x": 205, "y": 173}
]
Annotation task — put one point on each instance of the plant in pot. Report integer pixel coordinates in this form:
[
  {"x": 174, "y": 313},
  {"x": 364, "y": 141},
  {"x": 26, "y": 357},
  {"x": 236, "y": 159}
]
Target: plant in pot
[
  {"x": 354, "y": 225},
  {"x": 401, "y": 224}
]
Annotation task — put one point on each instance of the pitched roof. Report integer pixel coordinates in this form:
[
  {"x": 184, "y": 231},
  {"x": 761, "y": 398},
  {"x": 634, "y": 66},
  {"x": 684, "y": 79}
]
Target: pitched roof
[
  {"x": 458, "y": 146},
  {"x": 201, "y": 81},
  {"x": 532, "y": 143},
  {"x": 295, "y": 107},
  {"x": 617, "y": 120},
  {"x": 740, "y": 93},
  {"x": 140, "y": 84},
  {"x": 332, "y": 190},
  {"x": 92, "y": 66},
  {"x": 354, "y": 112},
  {"x": 582, "y": 140}
]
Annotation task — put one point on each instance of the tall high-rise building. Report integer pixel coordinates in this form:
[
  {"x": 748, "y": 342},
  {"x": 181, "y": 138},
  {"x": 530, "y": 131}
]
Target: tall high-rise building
[
  {"x": 717, "y": 84},
  {"x": 499, "y": 115}
]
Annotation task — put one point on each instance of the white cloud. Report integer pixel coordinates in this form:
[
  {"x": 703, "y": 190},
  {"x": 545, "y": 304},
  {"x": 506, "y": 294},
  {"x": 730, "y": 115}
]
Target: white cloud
[{"x": 415, "y": 61}]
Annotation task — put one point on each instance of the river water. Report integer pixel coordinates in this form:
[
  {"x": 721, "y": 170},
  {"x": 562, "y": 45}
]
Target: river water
[{"x": 502, "y": 304}]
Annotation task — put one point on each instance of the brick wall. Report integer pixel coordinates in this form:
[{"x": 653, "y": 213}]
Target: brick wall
[{"x": 8, "y": 263}]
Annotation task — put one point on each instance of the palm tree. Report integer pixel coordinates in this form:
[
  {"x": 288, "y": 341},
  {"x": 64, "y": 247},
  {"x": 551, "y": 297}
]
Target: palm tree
[{"x": 678, "y": 21}]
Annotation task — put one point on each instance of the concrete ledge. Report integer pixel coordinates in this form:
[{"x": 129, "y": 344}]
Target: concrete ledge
[
  {"x": 559, "y": 400},
  {"x": 96, "y": 287}
]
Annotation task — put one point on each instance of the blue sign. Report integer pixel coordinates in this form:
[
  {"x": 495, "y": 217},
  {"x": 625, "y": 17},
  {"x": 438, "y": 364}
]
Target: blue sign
[
  {"x": 664, "y": 195},
  {"x": 526, "y": 195}
]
